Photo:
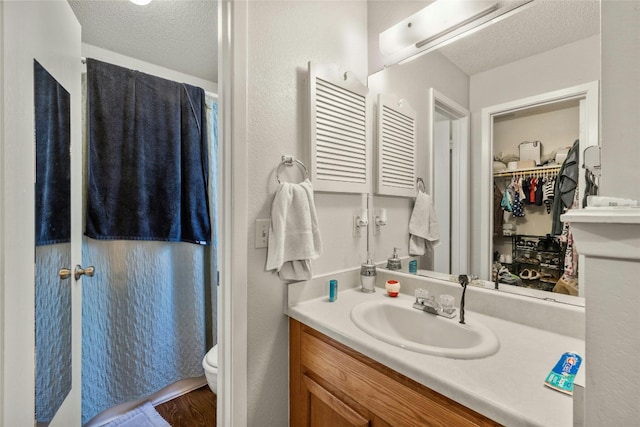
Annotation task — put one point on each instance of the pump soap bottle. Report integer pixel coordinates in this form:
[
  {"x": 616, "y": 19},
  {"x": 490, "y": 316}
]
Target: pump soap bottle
[
  {"x": 368, "y": 276},
  {"x": 394, "y": 262}
]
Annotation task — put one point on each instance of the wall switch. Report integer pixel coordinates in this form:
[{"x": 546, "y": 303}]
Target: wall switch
[{"x": 262, "y": 233}]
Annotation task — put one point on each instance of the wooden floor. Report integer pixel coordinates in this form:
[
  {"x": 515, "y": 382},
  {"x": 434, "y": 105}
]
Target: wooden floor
[{"x": 194, "y": 409}]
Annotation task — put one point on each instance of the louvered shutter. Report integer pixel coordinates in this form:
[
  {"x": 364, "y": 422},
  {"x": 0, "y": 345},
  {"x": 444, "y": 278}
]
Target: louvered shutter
[
  {"x": 396, "y": 147},
  {"x": 340, "y": 154}
]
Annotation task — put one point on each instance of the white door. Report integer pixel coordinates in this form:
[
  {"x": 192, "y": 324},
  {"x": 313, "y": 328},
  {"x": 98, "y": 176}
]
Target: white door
[
  {"x": 442, "y": 193},
  {"x": 48, "y": 32}
]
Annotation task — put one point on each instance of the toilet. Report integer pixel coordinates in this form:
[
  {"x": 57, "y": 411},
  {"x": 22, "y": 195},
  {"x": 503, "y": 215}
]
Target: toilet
[{"x": 210, "y": 365}]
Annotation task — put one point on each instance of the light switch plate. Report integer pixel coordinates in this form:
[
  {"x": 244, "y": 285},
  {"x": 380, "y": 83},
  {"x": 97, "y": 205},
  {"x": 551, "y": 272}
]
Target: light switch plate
[{"x": 262, "y": 233}]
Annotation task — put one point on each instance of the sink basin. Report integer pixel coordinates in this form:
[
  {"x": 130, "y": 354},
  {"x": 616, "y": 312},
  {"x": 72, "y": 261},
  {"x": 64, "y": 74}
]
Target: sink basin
[{"x": 394, "y": 321}]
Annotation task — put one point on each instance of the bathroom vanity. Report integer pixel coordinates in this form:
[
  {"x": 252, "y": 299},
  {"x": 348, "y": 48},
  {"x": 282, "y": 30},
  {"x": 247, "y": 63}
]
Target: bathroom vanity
[
  {"x": 340, "y": 375},
  {"x": 334, "y": 385}
]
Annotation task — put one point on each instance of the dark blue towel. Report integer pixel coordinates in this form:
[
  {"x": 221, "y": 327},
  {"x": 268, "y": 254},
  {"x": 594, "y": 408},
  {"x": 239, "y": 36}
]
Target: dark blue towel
[
  {"x": 53, "y": 185},
  {"x": 147, "y": 177}
]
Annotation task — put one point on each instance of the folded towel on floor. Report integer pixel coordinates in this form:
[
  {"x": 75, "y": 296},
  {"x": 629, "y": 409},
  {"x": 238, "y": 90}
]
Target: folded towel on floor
[
  {"x": 144, "y": 415},
  {"x": 423, "y": 225},
  {"x": 294, "y": 237}
]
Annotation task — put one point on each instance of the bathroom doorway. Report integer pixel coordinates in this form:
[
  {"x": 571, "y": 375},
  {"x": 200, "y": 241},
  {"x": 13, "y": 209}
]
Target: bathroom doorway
[
  {"x": 25, "y": 26},
  {"x": 449, "y": 148}
]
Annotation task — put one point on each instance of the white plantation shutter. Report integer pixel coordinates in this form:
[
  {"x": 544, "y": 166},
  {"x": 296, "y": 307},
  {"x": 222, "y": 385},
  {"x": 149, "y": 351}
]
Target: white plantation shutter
[
  {"x": 339, "y": 131},
  {"x": 396, "y": 151}
]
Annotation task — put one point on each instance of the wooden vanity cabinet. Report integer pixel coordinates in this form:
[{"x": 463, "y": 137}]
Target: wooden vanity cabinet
[{"x": 332, "y": 385}]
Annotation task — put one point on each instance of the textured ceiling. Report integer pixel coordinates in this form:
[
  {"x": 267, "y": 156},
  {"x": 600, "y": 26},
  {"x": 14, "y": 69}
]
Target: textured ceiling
[
  {"x": 176, "y": 34},
  {"x": 543, "y": 25},
  {"x": 181, "y": 34}
]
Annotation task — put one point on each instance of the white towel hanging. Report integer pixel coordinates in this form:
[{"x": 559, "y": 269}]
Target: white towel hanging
[
  {"x": 294, "y": 237},
  {"x": 423, "y": 225}
]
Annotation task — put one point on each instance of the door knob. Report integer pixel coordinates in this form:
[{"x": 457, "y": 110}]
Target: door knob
[
  {"x": 64, "y": 273},
  {"x": 79, "y": 271}
]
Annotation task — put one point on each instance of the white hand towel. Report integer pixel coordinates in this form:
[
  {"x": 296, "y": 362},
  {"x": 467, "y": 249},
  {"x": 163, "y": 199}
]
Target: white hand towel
[
  {"x": 294, "y": 237},
  {"x": 423, "y": 225}
]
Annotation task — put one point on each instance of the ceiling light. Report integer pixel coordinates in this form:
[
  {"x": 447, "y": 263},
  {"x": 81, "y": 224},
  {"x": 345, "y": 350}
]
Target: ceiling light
[
  {"x": 140, "y": 2},
  {"x": 441, "y": 21},
  {"x": 437, "y": 19}
]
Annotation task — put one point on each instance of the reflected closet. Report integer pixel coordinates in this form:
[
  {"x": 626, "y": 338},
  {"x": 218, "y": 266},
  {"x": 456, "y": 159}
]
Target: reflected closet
[{"x": 529, "y": 149}]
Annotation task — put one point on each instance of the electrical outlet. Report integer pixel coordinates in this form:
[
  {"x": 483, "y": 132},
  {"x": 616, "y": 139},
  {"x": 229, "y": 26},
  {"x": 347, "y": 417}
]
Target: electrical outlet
[{"x": 262, "y": 233}]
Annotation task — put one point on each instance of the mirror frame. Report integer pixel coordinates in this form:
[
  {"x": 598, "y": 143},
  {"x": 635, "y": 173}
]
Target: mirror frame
[{"x": 53, "y": 297}]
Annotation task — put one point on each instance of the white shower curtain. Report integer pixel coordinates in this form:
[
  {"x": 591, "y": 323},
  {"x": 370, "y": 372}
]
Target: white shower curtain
[{"x": 143, "y": 324}]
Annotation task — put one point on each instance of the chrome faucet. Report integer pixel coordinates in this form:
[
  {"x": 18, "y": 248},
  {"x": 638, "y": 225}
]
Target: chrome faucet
[
  {"x": 464, "y": 281},
  {"x": 430, "y": 305}
]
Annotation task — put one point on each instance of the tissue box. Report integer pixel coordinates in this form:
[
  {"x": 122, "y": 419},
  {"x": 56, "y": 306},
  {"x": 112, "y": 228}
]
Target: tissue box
[
  {"x": 530, "y": 150},
  {"x": 561, "y": 155}
]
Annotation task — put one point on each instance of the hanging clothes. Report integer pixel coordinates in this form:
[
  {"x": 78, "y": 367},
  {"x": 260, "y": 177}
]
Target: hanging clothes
[
  {"x": 566, "y": 184},
  {"x": 518, "y": 208},
  {"x": 539, "y": 191},
  {"x": 526, "y": 190},
  {"x": 571, "y": 254},
  {"x": 506, "y": 203},
  {"x": 547, "y": 196},
  {"x": 498, "y": 217},
  {"x": 532, "y": 190}
]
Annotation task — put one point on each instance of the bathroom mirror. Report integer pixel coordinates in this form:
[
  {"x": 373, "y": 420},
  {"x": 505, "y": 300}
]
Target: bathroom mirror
[
  {"x": 545, "y": 47},
  {"x": 52, "y": 108}
]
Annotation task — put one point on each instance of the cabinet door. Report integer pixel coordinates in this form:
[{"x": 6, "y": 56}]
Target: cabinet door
[{"x": 325, "y": 409}]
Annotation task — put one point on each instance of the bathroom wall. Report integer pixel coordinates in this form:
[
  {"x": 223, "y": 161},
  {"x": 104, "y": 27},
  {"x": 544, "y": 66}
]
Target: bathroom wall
[
  {"x": 412, "y": 81},
  {"x": 569, "y": 65},
  {"x": 620, "y": 90},
  {"x": 90, "y": 51},
  {"x": 611, "y": 394},
  {"x": 282, "y": 37}
]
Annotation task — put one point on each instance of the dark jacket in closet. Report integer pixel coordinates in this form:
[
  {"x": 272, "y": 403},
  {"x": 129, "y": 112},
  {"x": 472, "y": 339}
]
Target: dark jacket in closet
[{"x": 566, "y": 185}]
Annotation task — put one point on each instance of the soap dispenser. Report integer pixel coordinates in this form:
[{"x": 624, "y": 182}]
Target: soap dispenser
[
  {"x": 368, "y": 276},
  {"x": 394, "y": 262}
]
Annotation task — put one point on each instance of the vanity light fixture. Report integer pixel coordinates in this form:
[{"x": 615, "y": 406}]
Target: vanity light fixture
[
  {"x": 436, "y": 20},
  {"x": 140, "y": 2},
  {"x": 440, "y": 22}
]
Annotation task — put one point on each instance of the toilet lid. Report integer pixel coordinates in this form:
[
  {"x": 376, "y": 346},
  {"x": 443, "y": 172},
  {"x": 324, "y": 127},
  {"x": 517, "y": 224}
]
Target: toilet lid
[{"x": 212, "y": 356}]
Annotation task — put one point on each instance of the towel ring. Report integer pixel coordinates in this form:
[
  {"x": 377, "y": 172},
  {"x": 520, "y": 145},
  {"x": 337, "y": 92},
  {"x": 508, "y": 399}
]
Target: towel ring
[
  {"x": 420, "y": 183},
  {"x": 289, "y": 161}
]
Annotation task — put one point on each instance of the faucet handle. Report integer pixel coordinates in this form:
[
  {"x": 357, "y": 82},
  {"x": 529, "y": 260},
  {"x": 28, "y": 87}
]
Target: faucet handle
[
  {"x": 447, "y": 303},
  {"x": 421, "y": 295}
]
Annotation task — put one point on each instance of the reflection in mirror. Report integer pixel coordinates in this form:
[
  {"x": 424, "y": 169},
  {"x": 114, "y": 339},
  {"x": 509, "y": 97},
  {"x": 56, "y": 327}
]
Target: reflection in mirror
[
  {"x": 546, "y": 47},
  {"x": 52, "y": 231},
  {"x": 526, "y": 250}
]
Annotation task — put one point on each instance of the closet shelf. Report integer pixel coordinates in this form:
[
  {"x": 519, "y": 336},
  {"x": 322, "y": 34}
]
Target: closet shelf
[{"x": 529, "y": 171}]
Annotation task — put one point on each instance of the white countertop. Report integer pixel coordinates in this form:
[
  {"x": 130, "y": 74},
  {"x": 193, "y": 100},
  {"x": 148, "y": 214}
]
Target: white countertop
[{"x": 506, "y": 387}]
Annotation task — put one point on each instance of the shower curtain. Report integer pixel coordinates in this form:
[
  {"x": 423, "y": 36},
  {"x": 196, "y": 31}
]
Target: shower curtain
[
  {"x": 53, "y": 330},
  {"x": 148, "y": 313}
]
